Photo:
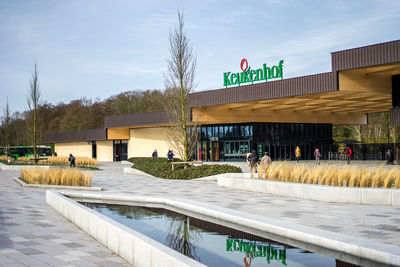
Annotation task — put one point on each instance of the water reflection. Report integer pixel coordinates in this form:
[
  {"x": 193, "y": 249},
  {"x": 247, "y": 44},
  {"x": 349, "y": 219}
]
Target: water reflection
[
  {"x": 211, "y": 244},
  {"x": 181, "y": 237}
]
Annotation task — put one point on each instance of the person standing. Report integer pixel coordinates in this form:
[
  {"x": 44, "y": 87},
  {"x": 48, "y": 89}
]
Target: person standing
[
  {"x": 71, "y": 160},
  {"x": 397, "y": 151},
  {"x": 170, "y": 155},
  {"x": 317, "y": 155},
  {"x": 253, "y": 160},
  {"x": 348, "y": 153},
  {"x": 155, "y": 154},
  {"x": 389, "y": 157},
  {"x": 298, "y": 153},
  {"x": 264, "y": 164}
]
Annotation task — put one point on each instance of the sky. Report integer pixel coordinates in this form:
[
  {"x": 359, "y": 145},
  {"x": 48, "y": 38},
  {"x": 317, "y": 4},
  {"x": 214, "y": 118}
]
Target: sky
[{"x": 99, "y": 48}]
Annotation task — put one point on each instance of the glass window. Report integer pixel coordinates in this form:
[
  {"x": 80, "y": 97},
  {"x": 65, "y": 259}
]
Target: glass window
[
  {"x": 203, "y": 132},
  {"x": 227, "y": 148},
  {"x": 209, "y": 132},
  {"x": 236, "y": 147},
  {"x": 247, "y": 131},
  {"x": 301, "y": 129},
  {"x": 242, "y": 131},
  {"x": 251, "y": 130},
  {"x": 231, "y": 131},
  {"x": 221, "y": 132},
  {"x": 236, "y": 131},
  {"x": 215, "y": 131}
]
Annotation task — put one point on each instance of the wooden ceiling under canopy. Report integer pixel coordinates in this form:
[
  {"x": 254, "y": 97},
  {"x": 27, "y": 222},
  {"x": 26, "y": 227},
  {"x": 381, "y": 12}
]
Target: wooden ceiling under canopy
[{"x": 360, "y": 91}]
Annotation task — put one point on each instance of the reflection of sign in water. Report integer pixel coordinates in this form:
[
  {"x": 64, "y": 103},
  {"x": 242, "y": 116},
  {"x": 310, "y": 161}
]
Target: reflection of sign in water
[{"x": 255, "y": 250}]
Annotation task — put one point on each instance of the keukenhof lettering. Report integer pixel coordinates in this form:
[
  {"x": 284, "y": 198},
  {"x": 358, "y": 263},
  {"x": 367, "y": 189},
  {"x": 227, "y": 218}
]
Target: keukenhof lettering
[
  {"x": 249, "y": 76},
  {"x": 257, "y": 250}
]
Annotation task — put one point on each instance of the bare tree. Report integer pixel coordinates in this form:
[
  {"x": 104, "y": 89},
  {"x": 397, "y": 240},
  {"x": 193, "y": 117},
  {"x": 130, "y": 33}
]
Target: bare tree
[
  {"x": 33, "y": 103},
  {"x": 179, "y": 82},
  {"x": 6, "y": 123}
]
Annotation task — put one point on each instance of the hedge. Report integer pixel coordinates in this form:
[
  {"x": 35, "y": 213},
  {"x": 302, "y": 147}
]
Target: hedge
[{"x": 160, "y": 167}]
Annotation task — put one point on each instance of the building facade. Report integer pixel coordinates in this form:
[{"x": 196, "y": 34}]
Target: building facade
[{"x": 274, "y": 116}]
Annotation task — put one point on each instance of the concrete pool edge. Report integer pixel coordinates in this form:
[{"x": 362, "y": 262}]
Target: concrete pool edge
[
  {"x": 122, "y": 240},
  {"x": 354, "y": 246},
  {"x": 323, "y": 193},
  {"x": 58, "y": 187}
]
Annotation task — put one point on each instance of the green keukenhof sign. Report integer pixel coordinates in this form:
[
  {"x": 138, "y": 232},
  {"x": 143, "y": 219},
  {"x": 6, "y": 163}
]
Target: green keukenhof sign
[{"x": 250, "y": 76}]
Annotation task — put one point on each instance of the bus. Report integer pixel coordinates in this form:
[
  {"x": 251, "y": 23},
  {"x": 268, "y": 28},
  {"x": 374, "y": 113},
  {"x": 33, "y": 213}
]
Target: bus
[{"x": 25, "y": 151}]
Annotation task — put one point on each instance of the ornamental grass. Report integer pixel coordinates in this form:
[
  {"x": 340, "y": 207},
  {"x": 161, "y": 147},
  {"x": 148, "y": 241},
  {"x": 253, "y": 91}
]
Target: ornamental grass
[
  {"x": 59, "y": 160},
  {"x": 349, "y": 176},
  {"x": 56, "y": 176}
]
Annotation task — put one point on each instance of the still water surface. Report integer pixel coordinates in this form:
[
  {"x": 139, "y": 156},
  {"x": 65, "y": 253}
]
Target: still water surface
[{"x": 209, "y": 243}]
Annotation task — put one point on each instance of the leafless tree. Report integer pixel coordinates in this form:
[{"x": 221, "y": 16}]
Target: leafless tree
[
  {"x": 33, "y": 103},
  {"x": 6, "y": 123},
  {"x": 179, "y": 82}
]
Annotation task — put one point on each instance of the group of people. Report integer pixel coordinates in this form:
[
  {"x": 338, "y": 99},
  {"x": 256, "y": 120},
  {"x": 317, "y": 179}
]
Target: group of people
[
  {"x": 261, "y": 166},
  {"x": 170, "y": 154},
  {"x": 254, "y": 163}
]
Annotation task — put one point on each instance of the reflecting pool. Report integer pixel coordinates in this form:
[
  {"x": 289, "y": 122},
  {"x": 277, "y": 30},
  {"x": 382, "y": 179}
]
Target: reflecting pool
[{"x": 209, "y": 243}]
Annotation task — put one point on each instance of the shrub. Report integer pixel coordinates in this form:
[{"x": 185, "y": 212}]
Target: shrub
[
  {"x": 160, "y": 167},
  {"x": 56, "y": 176}
]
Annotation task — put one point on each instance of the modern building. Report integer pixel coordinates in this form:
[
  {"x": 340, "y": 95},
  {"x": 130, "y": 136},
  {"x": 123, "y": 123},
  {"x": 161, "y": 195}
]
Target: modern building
[{"x": 274, "y": 116}]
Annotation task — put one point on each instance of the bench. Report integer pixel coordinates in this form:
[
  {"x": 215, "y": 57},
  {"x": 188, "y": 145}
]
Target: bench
[
  {"x": 38, "y": 159},
  {"x": 185, "y": 163}
]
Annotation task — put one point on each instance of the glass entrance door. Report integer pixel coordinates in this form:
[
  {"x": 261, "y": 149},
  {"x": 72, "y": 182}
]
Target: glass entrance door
[{"x": 120, "y": 150}]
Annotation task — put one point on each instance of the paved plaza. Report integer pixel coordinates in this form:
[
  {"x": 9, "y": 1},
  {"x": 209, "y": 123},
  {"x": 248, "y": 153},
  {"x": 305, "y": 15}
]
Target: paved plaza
[{"x": 33, "y": 234}]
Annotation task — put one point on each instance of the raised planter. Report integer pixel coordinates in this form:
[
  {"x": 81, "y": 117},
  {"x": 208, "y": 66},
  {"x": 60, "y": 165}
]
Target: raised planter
[
  {"x": 48, "y": 186},
  {"x": 335, "y": 194}
]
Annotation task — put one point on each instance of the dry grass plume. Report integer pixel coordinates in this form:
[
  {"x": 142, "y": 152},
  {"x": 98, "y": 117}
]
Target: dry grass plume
[{"x": 56, "y": 176}]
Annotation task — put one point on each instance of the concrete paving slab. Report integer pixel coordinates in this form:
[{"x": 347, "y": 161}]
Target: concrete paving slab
[{"x": 25, "y": 209}]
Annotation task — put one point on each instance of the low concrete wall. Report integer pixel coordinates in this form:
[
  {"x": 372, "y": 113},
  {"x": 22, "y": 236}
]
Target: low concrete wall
[
  {"x": 335, "y": 194},
  {"x": 136, "y": 172},
  {"x": 133, "y": 246},
  {"x": 129, "y": 243},
  {"x": 48, "y": 186},
  {"x": 6, "y": 167}
]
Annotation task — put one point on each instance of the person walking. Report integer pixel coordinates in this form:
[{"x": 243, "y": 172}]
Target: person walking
[
  {"x": 71, "y": 160},
  {"x": 298, "y": 153},
  {"x": 317, "y": 155},
  {"x": 264, "y": 164},
  {"x": 253, "y": 160},
  {"x": 155, "y": 154},
  {"x": 397, "y": 151},
  {"x": 347, "y": 153}
]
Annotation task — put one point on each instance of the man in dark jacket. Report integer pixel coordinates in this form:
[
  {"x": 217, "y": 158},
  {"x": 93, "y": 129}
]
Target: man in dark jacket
[
  {"x": 253, "y": 160},
  {"x": 71, "y": 160},
  {"x": 389, "y": 157}
]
